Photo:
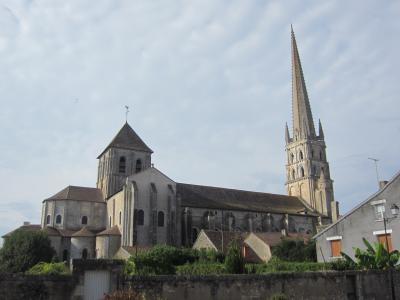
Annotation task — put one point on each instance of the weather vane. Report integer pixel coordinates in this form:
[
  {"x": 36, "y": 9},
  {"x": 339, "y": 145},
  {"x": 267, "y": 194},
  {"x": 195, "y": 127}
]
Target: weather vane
[{"x": 126, "y": 113}]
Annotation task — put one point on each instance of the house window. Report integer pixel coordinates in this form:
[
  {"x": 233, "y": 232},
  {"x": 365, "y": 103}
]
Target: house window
[
  {"x": 138, "y": 166},
  {"x": 48, "y": 219},
  {"x": 336, "y": 248},
  {"x": 379, "y": 211},
  {"x": 382, "y": 240},
  {"x": 84, "y": 220},
  {"x": 58, "y": 219},
  {"x": 122, "y": 164},
  {"x": 160, "y": 219},
  {"x": 140, "y": 215}
]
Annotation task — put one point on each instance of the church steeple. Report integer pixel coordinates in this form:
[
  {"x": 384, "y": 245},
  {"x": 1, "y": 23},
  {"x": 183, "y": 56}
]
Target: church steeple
[
  {"x": 307, "y": 168},
  {"x": 303, "y": 125}
]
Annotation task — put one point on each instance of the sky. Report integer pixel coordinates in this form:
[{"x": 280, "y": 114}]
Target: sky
[{"x": 208, "y": 84}]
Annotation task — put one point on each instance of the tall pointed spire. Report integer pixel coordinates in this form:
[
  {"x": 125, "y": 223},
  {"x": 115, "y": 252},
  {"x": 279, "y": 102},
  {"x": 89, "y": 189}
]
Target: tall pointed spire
[
  {"x": 287, "y": 135},
  {"x": 303, "y": 125},
  {"x": 320, "y": 131}
]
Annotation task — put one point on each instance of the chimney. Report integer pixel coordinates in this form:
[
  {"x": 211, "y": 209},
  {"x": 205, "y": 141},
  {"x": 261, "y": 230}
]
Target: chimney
[
  {"x": 26, "y": 223},
  {"x": 382, "y": 184}
]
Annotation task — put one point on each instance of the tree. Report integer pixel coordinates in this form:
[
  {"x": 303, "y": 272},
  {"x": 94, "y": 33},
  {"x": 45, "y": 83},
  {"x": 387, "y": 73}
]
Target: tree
[
  {"x": 234, "y": 262},
  {"x": 22, "y": 250}
]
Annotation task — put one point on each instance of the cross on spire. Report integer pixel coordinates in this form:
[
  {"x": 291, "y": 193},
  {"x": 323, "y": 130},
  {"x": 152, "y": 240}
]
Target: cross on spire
[{"x": 126, "y": 113}]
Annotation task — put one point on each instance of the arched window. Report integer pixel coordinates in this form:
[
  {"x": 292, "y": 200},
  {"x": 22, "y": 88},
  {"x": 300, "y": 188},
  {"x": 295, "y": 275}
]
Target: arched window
[
  {"x": 84, "y": 254},
  {"x": 48, "y": 219},
  {"x": 140, "y": 217},
  {"x": 312, "y": 153},
  {"x": 65, "y": 255},
  {"x": 58, "y": 219},
  {"x": 160, "y": 219},
  {"x": 110, "y": 221},
  {"x": 120, "y": 218},
  {"x": 122, "y": 164},
  {"x": 301, "y": 155},
  {"x": 84, "y": 220},
  {"x": 138, "y": 166},
  {"x": 293, "y": 174},
  {"x": 302, "y": 172},
  {"x": 195, "y": 233},
  {"x": 291, "y": 158}
]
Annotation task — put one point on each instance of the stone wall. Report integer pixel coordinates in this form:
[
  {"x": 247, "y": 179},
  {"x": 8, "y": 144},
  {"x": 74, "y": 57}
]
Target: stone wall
[
  {"x": 311, "y": 285},
  {"x": 17, "y": 286}
]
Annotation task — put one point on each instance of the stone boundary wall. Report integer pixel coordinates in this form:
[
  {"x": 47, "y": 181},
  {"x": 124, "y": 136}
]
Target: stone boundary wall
[
  {"x": 308, "y": 285},
  {"x": 34, "y": 287}
]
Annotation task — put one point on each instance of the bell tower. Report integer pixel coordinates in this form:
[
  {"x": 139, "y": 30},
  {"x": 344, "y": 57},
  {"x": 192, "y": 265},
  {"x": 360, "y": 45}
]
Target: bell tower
[
  {"x": 307, "y": 168},
  {"x": 126, "y": 155}
]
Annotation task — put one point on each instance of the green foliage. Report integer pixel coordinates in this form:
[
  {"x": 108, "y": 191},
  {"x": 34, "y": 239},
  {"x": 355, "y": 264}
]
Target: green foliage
[
  {"x": 234, "y": 262},
  {"x": 295, "y": 250},
  {"x": 342, "y": 265},
  {"x": 22, "y": 250},
  {"x": 374, "y": 257},
  {"x": 279, "y": 296},
  {"x": 275, "y": 265},
  {"x": 43, "y": 268},
  {"x": 201, "y": 269},
  {"x": 159, "y": 260},
  {"x": 209, "y": 255}
]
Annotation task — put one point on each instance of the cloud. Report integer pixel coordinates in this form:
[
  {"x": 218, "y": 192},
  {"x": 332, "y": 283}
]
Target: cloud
[{"x": 208, "y": 83}]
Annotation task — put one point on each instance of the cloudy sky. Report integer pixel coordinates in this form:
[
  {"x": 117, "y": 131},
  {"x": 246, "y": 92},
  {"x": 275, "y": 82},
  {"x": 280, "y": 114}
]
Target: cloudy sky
[{"x": 209, "y": 86}]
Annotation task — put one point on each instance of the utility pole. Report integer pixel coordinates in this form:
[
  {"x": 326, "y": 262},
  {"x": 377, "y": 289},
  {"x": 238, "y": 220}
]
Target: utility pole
[{"x": 375, "y": 160}]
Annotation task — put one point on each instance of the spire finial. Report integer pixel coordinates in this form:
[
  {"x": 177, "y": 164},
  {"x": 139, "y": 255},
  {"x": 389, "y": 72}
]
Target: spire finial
[{"x": 126, "y": 113}]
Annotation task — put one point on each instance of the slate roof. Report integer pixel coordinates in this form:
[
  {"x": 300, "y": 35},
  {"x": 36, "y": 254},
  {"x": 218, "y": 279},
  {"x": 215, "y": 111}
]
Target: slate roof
[
  {"x": 79, "y": 193},
  {"x": 84, "y": 232},
  {"x": 216, "y": 238},
  {"x": 111, "y": 231},
  {"x": 127, "y": 138},
  {"x": 222, "y": 198}
]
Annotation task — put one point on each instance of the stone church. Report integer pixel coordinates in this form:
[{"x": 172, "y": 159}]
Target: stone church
[{"x": 135, "y": 205}]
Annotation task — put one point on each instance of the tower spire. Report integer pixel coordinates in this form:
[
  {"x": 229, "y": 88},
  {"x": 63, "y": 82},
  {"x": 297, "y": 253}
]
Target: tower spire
[{"x": 303, "y": 124}]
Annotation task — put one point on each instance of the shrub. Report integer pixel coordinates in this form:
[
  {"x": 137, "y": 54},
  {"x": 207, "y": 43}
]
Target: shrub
[
  {"x": 279, "y": 296},
  {"x": 201, "y": 269},
  {"x": 210, "y": 255},
  {"x": 22, "y": 250},
  {"x": 295, "y": 250},
  {"x": 341, "y": 265},
  {"x": 159, "y": 260},
  {"x": 276, "y": 265},
  {"x": 234, "y": 263},
  {"x": 43, "y": 268}
]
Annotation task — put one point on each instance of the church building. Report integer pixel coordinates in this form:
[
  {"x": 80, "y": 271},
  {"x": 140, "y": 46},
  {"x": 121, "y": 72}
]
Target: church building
[{"x": 135, "y": 205}]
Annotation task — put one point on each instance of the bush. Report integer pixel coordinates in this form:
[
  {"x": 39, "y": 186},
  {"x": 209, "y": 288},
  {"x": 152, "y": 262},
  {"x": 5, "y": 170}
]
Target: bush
[
  {"x": 295, "y": 250},
  {"x": 209, "y": 255},
  {"x": 159, "y": 260},
  {"x": 276, "y": 265},
  {"x": 22, "y": 250},
  {"x": 43, "y": 268},
  {"x": 201, "y": 269},
  {"x": 341, "y": 265},
  {"x": 234, "y": 263},
  {"x": 279, "y": 296}
]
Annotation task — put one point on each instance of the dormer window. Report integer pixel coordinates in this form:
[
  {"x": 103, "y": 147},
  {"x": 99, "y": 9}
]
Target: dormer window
[{"x": 122, "y": 164}]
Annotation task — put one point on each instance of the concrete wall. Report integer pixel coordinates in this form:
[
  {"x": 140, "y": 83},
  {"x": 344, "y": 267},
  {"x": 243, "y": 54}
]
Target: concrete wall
[
  {"x": 72, "y": 212},
  {"x": 361, "y": 222},
  {"x": 312, "y": 285}
]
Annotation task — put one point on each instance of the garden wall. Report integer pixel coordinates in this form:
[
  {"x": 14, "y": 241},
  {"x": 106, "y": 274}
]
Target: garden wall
[{"x": 310, "y": 285}]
